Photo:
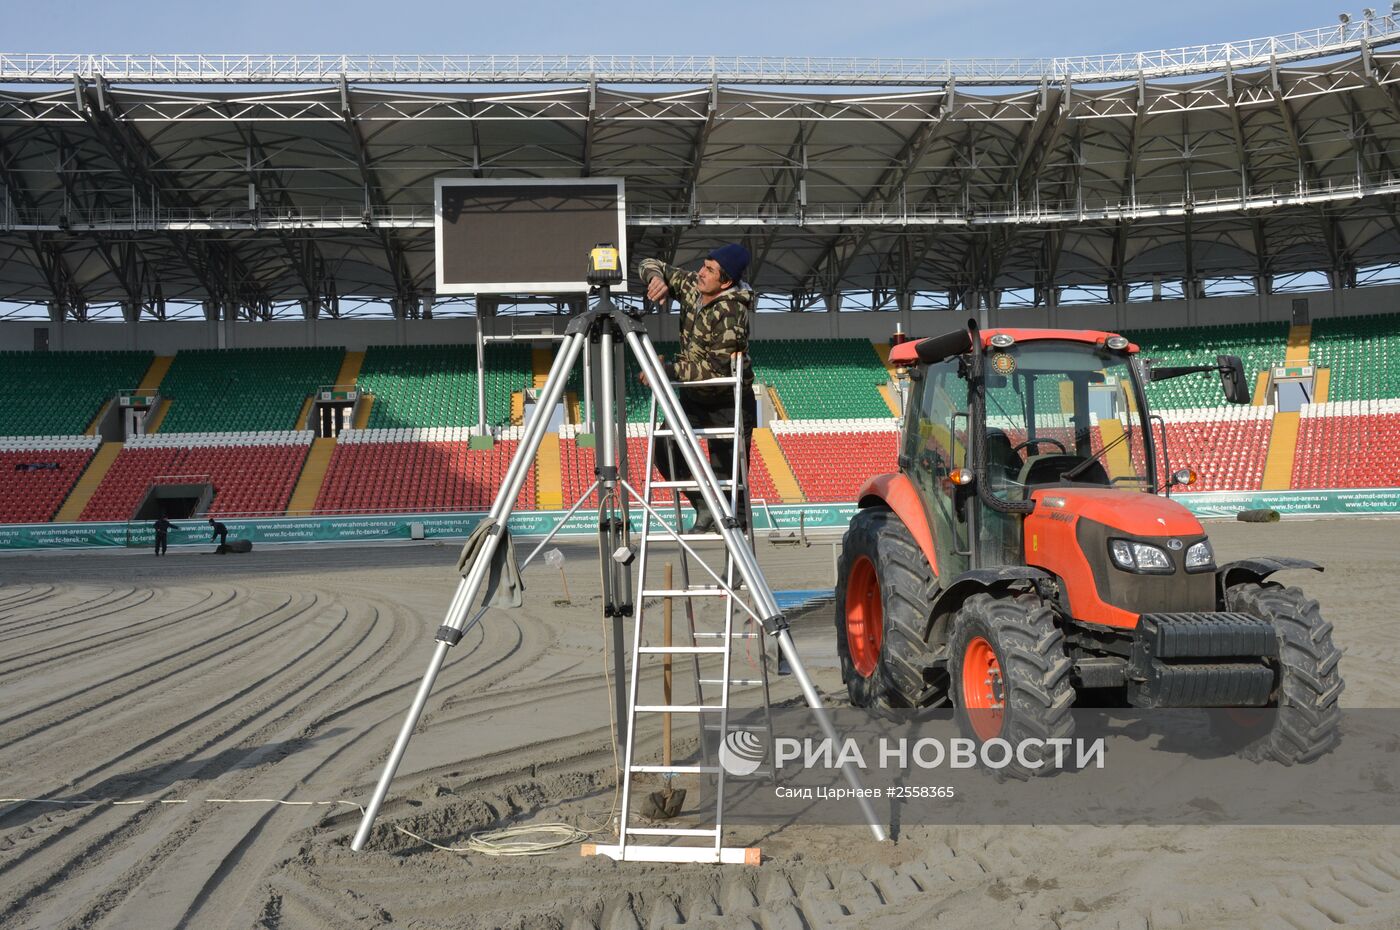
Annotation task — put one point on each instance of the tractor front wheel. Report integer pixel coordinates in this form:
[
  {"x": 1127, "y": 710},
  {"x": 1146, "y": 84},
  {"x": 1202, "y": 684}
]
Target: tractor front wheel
[
  {"x": 884, "y": 587},
  {"x": 1010, "y": 677},
  {"x": 1309, "y": 675}
]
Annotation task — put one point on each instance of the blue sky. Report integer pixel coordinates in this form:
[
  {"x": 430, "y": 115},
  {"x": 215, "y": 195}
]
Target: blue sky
[{"x": 919, "y": 28}]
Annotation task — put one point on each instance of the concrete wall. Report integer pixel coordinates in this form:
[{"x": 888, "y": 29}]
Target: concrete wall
[{"x": 169, "y": 337}]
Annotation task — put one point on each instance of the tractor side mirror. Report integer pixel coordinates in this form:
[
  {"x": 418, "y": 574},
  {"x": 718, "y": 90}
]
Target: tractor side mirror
[{"x": 1232, "y": 379}]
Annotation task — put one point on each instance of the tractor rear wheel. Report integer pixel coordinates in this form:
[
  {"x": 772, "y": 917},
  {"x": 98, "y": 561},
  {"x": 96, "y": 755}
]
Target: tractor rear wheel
[
  {"x": 883, "y": 591},
  {"x": 1010, "y": 677},
  {"x": 1309, "y": 675}
]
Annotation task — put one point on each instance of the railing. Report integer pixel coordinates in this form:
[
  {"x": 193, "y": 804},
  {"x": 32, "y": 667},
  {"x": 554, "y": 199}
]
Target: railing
[
  {"x": 695, "y": 69},
  {"x": 974, "y": 212}
]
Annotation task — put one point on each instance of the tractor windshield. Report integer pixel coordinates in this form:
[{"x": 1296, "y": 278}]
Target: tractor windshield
[{"x": 1060, "y": 411}]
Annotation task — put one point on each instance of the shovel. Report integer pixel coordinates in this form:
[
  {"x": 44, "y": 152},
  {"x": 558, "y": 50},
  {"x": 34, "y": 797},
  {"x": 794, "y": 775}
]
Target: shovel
[{"x": 666, "y": 803}]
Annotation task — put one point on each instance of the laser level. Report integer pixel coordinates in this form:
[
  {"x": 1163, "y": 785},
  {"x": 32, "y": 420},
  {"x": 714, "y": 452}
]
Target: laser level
[{"x": 604, "y": 265}]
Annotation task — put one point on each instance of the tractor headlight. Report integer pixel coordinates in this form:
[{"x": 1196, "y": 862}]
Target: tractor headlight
[
  {"x": 1133, "y": 556},
  {"x": 1200, "y": 557}
]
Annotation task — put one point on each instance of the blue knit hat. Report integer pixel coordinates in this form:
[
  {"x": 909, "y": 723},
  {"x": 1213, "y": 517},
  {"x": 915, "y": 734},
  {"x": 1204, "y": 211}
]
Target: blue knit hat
[{"x": 733, "y": 260}]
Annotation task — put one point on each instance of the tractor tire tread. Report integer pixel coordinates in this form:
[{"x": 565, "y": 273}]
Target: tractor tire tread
[
  {"x": 1310, "y": 679},
  {"x": 1036, "y": 666},
  {"x": 907, "y": 587}
]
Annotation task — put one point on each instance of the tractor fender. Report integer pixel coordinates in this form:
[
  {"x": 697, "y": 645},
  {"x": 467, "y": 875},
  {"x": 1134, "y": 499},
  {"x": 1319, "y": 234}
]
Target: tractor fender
[
  {"x": 1256, "y": 570},
  {"x": 898, "y": 493},
  {"x": 947, "y": 601}
]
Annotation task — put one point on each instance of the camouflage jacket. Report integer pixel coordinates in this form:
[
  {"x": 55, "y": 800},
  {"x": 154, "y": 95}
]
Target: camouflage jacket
[{"x": 709, "y": 334}]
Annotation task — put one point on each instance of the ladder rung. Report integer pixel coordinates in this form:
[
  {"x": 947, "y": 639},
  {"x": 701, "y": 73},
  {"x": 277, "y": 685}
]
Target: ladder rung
[
  {"x": 741, "y": 682},
  {"x": 677, "y": 709},
  {"x": 701, "y": 431},
  {"x": 671, "y": 831},
  {"x": 686, "y": 592},
  {"x": 678, "y": 769},
  {"x": 707, "y": 635},
  {"x": 691, "y": 483},
  {"x": 698, "y": 537},
  {"x": 676, "y": 650},
  {"x": 708, "y": 382}
]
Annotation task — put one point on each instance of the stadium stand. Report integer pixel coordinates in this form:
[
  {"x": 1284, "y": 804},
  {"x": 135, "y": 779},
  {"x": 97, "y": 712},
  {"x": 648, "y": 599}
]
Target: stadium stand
[
  {"x": 37, "y": 473},
  {"x": 431, "y": 469},
  {"x": 1348, "y": 444},
  {"x": 1362, "y": 354},
  {"x": 832, "y": 459},
  {"x": 1259, "y": 345},
  {"x": 59, "y": 393},
  {"x": 577, "y": 462},
  {"x": 243, "y": 390},
  {"x": 823, "y": 379},
  {"x": 435, "y": 386},
  {"x": 1227, "y": 446},
  {"x": 252, "y": 473}
]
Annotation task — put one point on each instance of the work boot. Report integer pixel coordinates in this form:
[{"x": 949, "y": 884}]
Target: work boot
[{"x": 704, "y": 520}]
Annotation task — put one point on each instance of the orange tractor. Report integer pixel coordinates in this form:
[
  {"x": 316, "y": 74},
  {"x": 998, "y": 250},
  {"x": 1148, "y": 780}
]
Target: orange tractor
[{"x": 1027, "y": 556}]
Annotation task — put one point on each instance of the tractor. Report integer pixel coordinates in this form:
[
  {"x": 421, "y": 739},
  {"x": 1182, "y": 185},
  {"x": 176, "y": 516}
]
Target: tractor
[{"x": 1027, "y": 557}]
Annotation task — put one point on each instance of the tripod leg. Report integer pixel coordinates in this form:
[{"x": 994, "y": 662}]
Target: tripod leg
[{"x": 451, "y": 630}]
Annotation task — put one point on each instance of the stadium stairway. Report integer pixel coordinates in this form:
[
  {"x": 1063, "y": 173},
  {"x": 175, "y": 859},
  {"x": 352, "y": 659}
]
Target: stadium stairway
[
  {"x": 97, "y": 420},
  {"x": 350, "y": 368},
  {"x": 541, "y": 360},
  {"x": 313, "y": 475},
  {"x": 784, "y": 480},
  {"x": 156, "y": 373},
  {"x": 1299, "y": 343},
  {"x": 549, "y": 478},
  {"x": 157, "y": 416},
  {"x": 88, "y": 483},
  {"x": 882, "y": 349},
  {"x": 304, "y": 416},
  {"x": 1118, "y": 460},
  {"x": 150, "y": 381},
  {"x": 1283, "y": 447},
  {"x": 362, "y": 411}
]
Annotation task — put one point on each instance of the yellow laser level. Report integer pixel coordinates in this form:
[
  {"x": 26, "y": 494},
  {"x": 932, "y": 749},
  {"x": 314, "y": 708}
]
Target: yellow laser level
[{"x": 604, "y": 265}]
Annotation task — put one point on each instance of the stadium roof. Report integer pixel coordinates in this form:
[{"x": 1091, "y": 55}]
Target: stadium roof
[{"x": 264, "y": 185}]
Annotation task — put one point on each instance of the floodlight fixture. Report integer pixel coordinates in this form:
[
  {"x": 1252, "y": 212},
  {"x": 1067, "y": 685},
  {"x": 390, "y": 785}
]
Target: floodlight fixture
[{"x": 1368, "y": 13}]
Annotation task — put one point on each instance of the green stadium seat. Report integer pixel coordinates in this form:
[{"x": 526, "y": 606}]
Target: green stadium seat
[
  {"x": 1362, "y": 354},
  {"x": 59, "y": 393},
  {"x": 427, "y": 386},
  {"x": 823, "y": 379},
  {"x": 1259, "y": 346},
  {"x": 244, "y": 390}
]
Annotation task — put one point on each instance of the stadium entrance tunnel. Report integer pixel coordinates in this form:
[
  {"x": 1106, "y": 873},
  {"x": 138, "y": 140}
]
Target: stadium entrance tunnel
[{"x": 175, "y": 501}]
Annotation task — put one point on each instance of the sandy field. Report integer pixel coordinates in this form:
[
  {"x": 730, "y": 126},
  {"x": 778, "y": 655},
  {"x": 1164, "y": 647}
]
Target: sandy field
[{"x": 192, "y": 682}]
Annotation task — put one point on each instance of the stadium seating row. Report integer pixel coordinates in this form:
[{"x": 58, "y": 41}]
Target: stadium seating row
[
  {"x": 34, "y": 482},
  {"x": 247, "y": 479},
  {"x": 243, "y": 390},
  {"x": 1259, "y": 345},
  {"x": 1349, "y": 445},
  {"x": 59, "y": 393},
  {"x": 418, "y": 477},
  {"x": 436, "y": 386}
]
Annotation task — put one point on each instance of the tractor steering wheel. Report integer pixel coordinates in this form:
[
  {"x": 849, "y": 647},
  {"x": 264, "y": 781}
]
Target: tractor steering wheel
[{"x": 1031, "y": 442}]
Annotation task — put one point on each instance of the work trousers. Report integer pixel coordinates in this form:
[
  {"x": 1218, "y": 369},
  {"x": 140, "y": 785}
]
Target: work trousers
[{"x": 709, "y": 412}]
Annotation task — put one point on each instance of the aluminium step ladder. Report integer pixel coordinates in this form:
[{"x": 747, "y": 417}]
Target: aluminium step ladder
[{"x": 714, "y": 688}]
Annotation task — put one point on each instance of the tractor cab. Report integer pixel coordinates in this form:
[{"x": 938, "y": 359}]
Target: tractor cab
[
  {"x": 996, "y": 416},
  {"x": 983, "y": 431}
]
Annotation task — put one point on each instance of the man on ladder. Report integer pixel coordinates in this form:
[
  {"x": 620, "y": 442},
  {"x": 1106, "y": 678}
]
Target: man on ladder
[{"x": 715, "y": 305}]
